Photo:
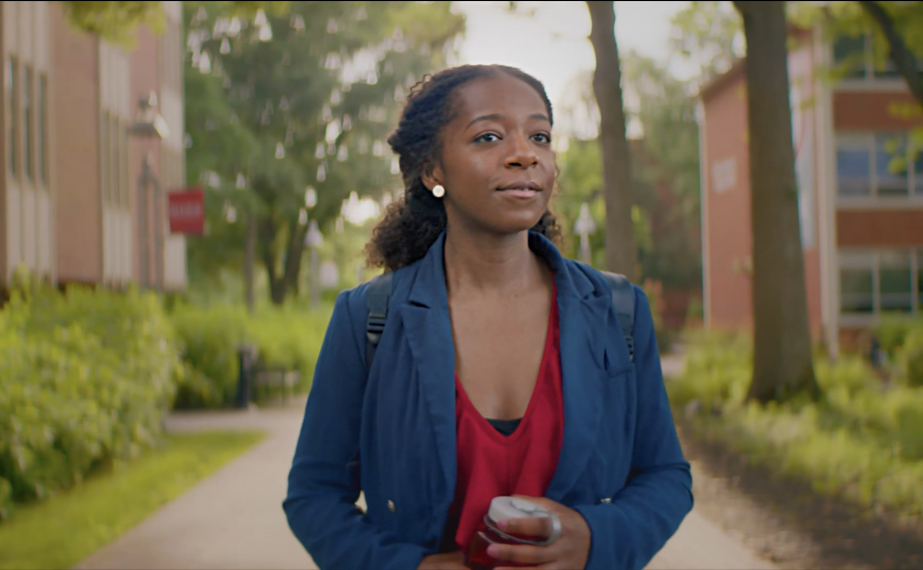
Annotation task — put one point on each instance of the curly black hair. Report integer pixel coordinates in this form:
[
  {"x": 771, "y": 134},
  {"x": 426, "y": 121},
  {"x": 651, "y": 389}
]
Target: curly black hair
[{"x": 412, "y": 224}]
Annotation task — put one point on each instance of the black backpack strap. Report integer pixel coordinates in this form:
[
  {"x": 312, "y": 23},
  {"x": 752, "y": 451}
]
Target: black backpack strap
[
  {"x": 623, "y": 299},
  {"x": 377, "y": 297}
]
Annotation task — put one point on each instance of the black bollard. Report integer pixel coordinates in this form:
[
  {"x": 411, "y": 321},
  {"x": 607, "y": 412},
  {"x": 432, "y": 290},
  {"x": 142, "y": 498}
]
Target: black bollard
[{"x": 246, "y": 357}]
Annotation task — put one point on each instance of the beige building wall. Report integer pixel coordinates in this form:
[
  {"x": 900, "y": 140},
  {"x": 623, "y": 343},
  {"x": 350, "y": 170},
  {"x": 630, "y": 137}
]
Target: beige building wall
[
  {"x": 28, "y": 233},
  {"x": 69, "y": 197},
  {"x": 75, "y": 139},
  {"x": 173, "y": 165}
]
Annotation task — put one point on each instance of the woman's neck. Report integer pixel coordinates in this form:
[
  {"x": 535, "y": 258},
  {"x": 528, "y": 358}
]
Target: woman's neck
[{"x": 482, "y": 263}]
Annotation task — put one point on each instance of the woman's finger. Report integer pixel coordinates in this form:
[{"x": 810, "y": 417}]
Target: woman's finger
[
  {"x": 539, "y": 527},
  {"x": 522, "y": 553}
]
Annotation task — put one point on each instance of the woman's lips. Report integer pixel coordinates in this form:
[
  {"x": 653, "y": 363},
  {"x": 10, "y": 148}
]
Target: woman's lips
[{"x": 520, "y": 192}]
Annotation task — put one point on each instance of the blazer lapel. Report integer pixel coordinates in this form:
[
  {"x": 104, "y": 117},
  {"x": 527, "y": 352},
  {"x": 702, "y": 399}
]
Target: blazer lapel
[
  {"x": 583, "y": 318},
  {"x": 428, "y": 331}
]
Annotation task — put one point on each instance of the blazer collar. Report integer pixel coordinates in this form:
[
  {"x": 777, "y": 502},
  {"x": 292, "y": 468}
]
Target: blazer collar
[{"x": 429, "y": 288}]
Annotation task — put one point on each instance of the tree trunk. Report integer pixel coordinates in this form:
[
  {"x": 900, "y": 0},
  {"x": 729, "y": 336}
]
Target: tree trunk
[
  {"x": 280, "y": 285},
  {"x": 250, "y": 262},
  {"x": 782, "y": 352},
  {"x": 621, "y": 254},
  {"x": 902, "y": 57},
  {"x": 267, "y": 232}
]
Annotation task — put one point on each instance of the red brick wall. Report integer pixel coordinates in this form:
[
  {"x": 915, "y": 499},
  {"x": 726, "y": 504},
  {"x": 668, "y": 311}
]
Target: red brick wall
[
  {"x": 727, "y": 234},
  {"x": 870, "y": 111},
  {"x": 75, "y": 101},
  {"x": 879, "y": 228}
]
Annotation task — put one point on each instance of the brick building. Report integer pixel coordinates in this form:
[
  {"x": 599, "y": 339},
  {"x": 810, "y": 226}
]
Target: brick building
[
  {"x": 861, "y": 219},
  {"x": 72, "y": 209}
]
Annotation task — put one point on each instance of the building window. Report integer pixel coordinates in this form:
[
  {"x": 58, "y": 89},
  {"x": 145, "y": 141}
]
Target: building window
[
  {"x": 853, "y": 167},
  {"x": 856, "y": 58},
  {"x": 891, "y": 172},
  {"x": 877, "y": 165},
  {"x": 857, "y": 283},
  {"x": 895, "y": 282},
  {"x": 882, "y": 281},
  {"x": 849, "y": 56},
  {"x": 43, "y": 129},
  {"x": 28, "y": 120},
  {"x": 12, "y": 117}
]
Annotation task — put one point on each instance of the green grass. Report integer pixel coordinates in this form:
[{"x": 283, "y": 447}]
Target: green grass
[{"x": 65, "y": 529}]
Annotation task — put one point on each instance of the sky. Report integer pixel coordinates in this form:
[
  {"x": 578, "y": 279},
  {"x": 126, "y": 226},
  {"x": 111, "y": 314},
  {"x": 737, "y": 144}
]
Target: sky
[{"x": 554, "y": 44}]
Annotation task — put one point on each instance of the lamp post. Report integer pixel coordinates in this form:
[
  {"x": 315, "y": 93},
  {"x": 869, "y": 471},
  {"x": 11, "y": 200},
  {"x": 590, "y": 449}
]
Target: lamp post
[
  {"x": 149, "y": 125},
  {"x": 314, "y": 239},
  {"x": 584, "y": 227}
]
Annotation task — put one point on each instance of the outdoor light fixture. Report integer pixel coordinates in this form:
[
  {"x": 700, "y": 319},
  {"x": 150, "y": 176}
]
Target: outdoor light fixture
[
  {"x": 149, "y": 126},
  {"x": 149, "y": 123}
]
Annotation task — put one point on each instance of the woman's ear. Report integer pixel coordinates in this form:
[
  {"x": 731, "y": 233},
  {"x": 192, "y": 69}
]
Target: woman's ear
[{"x": 432, "y": 175}]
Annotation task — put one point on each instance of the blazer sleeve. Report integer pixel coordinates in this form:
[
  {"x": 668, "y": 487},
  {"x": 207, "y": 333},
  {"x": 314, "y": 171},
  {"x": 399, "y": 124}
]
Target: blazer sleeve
[
  {"x": 629, "y": 531},
  {"x": 322, "y": 491}
]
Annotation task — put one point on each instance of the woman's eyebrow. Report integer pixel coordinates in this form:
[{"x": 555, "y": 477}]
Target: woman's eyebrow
[{"x": 497, "y": 116}]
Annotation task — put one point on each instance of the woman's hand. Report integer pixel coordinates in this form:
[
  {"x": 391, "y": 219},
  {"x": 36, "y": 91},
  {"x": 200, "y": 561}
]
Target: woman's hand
[
  {"x": 447, "y": 561},
  {"x": 569, "y": 552}
]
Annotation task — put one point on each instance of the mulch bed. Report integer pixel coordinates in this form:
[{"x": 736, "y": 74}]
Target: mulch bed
[{"x": 784, "y": 521}]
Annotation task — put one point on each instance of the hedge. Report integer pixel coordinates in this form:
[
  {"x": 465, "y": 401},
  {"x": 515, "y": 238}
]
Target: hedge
[
  {"x": 210, "y": 337},
  {"x": 87, "y": 379}
]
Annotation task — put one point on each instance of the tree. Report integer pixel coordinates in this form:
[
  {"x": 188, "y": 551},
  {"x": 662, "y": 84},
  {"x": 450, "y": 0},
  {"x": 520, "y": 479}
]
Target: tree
[
  {"x": 782, "y": 357},
  {"x": 116, "y": 21},
  {"x": 621, "y": 252},
  {"x": 580, "y": 181},
  {"x": 665, "y": 164},
  {"x": 899, "y": 49},
  {"x": 892, "y": 29},
  {"x": 707, "y": 33},
  {"x": 307, "y": 99}
]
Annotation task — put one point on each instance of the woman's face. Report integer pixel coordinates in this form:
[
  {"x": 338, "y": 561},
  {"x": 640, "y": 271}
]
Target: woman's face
[{"x": 497, "y": 165}]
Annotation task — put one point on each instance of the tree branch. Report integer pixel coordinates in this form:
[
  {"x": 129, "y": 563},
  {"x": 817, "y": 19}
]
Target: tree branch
[{"x": 902, "y": 57}]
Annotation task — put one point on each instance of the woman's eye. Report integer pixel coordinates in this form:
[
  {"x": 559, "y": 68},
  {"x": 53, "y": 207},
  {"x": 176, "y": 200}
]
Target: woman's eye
[
  {"x": 486, "y": 137},
  {"x": 543, "y": 138}
]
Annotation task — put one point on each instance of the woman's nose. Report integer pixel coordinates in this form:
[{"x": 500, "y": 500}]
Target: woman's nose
[{"x": 521, "y": 153}]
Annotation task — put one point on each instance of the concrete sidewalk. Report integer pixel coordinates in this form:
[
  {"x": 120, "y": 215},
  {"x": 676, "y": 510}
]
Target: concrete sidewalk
[
  {"x": 231, "y": 520},
  {"x": 234, "y": 519}
]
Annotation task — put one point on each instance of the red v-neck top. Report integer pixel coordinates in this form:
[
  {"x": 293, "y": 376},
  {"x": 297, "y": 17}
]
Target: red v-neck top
[{"x": 491, "y": 464}]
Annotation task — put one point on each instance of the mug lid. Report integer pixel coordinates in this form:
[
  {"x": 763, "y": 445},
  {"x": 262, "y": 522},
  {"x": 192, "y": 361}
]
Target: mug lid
[{"x": 512, "y": 508}]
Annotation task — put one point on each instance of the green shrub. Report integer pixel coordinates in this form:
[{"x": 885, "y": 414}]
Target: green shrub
[
  {"x": 892, "y": 331},
  {"x": 910, "y": 357},
  {"x": 87, "y": 379},
  {"x": 210, "y": 338},
  {"x": 290, "y": 339},
  {"x": 716, "y": 373},
  {"x": 859, "y": 439},
  {"x": 6, "y": 498}
]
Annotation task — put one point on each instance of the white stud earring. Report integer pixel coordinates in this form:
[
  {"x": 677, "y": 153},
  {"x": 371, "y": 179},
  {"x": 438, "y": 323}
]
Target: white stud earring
[{"x": 439, "y": 190}]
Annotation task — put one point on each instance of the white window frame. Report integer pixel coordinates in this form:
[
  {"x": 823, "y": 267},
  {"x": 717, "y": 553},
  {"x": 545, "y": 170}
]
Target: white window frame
[
  {"x": 869, "y": 258},
  {"x": 868, "y": 82},
  {"x": 914, "y": 197}
]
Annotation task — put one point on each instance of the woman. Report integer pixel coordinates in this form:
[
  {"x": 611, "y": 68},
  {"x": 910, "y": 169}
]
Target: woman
[{"x": 501, "y": 370}]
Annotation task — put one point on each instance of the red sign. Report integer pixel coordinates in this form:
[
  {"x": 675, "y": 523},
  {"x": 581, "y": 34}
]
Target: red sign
[{"x": 187, "y": 211}]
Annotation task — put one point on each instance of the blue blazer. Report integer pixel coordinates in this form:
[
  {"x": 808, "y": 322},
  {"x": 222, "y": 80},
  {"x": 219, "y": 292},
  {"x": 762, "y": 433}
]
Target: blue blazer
[{"x": 391, "y": 433}]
